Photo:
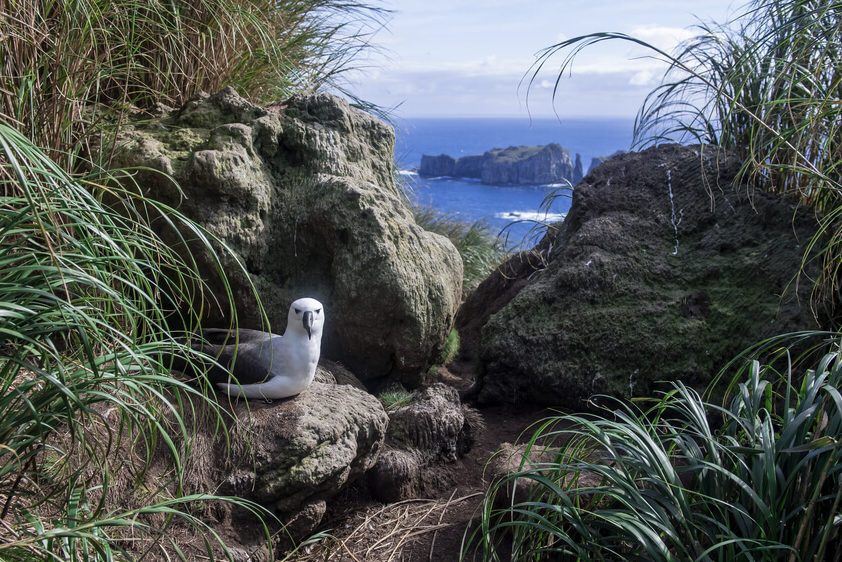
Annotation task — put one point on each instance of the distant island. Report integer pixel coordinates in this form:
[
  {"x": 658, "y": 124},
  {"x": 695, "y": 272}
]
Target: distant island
[{"x": 515, "y": 165}]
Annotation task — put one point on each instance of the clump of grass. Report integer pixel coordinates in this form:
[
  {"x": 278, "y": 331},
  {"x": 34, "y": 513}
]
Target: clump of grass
[
  {"x": 765, "y": 87},
  {"x": 755, "y": 479},
  {"x": 395, "y": 398},
  {"x": 480, "y": 250},
  {"x": 85, "y": 315},
  {"x": 451, "y": 348},
  {"x": 65, "y": 67}
]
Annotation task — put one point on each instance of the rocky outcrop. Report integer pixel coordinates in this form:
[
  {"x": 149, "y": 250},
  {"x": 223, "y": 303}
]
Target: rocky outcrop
[
  {"x": 527, "y": 165},
  {"x": 304, "y": 195},
  {"x": 435, "y": 428},
  {"x": 516, "y": 165},
  {"x": 661, "y": 271},
  {"x": 469, "y": 167},
  {"x": 291, "y": 456},
  {"x": 496, "y": 291},
  {"x": 303, "y": 450},
  {"x": 437, "y": 166}
]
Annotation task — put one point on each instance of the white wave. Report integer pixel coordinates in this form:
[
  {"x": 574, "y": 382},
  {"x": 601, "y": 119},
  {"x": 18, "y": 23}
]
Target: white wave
[
  {"x": 556, "y": 185},
  {"x": 531, "y": 216},
  {"x": 408, "y": 172}
]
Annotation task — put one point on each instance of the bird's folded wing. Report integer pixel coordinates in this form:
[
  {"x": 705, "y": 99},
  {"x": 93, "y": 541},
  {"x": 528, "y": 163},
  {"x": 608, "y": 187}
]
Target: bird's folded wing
[{"x": 255, "y": 362}]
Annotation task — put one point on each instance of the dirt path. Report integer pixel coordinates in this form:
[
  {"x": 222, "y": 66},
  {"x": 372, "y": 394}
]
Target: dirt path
[
  {"x": 502, "y": 425},
  {"x": 424, "y": 529}
]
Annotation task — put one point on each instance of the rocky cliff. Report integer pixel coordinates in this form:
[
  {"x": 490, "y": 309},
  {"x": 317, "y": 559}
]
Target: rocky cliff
[
  {"x": 663, "y": 270},
  {"x": 304, "y": 196},
  {"x": 515, "y": 165},
  {"x": 437, "y": 166}
]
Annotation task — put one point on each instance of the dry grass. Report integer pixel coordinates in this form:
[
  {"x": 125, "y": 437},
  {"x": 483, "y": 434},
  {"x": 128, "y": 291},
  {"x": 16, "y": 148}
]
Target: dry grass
[{"x": 385, "y": 534}]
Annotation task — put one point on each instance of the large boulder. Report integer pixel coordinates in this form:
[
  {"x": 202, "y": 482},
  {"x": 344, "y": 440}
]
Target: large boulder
[
  {"x": 304, "y": 195},
  {"x": 435, "y": 428},
  {"x": 663, "y": 270},
  {"x": 290, "y": 456},
  {"x": 302, "y": 451}
]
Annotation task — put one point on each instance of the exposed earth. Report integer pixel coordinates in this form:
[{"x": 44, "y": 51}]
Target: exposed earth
[{"x": 433, "y": 526}]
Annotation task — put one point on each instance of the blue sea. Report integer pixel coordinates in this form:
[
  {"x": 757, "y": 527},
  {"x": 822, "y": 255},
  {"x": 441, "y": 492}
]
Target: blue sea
[{"x": 514, "y": 209}]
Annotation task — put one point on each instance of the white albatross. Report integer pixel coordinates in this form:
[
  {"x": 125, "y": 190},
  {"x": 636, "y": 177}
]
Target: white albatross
[{"x": 259, "y": 364}]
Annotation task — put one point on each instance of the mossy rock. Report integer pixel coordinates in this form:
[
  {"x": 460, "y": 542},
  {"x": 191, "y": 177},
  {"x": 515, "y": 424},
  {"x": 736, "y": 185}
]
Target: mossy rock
[
  {"x": 664, "y": 270},
  {"x": 304, "y": 196}
]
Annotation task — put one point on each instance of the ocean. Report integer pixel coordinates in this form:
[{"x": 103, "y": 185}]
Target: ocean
[{"x": 513, "y": 210}]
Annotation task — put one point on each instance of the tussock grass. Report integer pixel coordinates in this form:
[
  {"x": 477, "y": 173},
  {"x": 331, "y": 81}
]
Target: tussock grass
[
  {"x": 88, "y": 293},
  {"x": 451, "y": 347},
  {"x": 67, "y": 68},
  {"x": 481, "y": 251},
  {"x": 756, "y": 478},
  {"x": 395, "y": 398},
  {"x": 765, "y": 87}
]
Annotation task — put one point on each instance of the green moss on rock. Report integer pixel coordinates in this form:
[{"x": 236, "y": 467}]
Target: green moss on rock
[{"x": 617, "y": 310}]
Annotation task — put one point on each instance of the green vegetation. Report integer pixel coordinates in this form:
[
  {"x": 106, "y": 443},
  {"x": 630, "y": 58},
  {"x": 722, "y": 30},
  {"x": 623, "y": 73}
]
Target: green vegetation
[
  {"x": 480, "y": 250},
  {"x": 765, "y": 88},
  {"x": 685, "y": 479},
  {"x": 89, "y": 291},
  {"x": 758, "y": 477},
  {"x": 394, "y": 399},
  {"x": 86, "y": 403},
  {"x": 67, "y": 68},
  {"x": 451, "y": 347},
  {"x": 515, "y": 153}
]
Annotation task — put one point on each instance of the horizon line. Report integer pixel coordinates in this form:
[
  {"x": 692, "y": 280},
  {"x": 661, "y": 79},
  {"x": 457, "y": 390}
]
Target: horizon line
[{"x": 524, "y": 117}]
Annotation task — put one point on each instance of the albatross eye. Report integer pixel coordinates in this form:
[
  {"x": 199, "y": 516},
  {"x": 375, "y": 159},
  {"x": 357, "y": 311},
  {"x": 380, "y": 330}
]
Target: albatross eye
[
  {"x": 298, "y": 311},
  {"x": 318, "y": 310}
]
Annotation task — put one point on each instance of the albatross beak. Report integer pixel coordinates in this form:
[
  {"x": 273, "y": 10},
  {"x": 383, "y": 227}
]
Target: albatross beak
[{"x": 308, "y": 324}]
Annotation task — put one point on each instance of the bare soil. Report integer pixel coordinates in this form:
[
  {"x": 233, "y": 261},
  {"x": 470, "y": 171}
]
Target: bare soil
[{"x": 429, "y": 528}]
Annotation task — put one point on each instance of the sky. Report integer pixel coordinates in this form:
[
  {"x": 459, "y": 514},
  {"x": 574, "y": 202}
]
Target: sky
[{"x": 440, "y": 58}]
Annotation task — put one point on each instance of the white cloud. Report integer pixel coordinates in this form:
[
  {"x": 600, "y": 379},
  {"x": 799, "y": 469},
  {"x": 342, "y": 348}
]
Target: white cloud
[
  {"x": 643, "y": 78},
  {"x": 662, "y": 37}
]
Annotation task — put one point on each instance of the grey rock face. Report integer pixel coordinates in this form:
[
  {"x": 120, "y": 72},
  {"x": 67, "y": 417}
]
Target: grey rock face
[
  {"x": 300, "y": 451},
  {"x": 649, "y": 279},
  {"x": 304, "y": 195},
  {"x": 469, "y": 167},
  {"x": 437, "y": 166},
  {"x": 434, "y": 428}
]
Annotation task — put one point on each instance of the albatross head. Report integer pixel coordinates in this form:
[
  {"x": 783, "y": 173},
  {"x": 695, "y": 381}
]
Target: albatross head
[{"x": 306, "y": 316}]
